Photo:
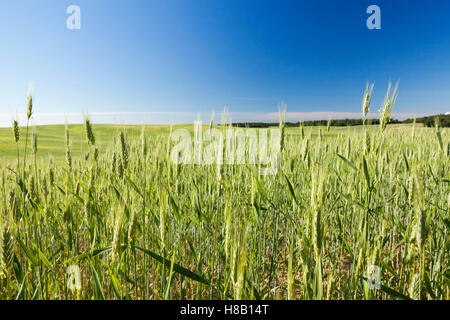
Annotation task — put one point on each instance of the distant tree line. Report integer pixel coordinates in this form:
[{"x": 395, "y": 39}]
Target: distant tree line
[
  {"x": 429, "y": 121},
  {"x": 312, "y": 123},
  {"x": 444, "y": 121}
]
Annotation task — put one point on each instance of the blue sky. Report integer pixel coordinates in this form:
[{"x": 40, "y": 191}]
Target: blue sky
[{"x": 165, "y": 61}]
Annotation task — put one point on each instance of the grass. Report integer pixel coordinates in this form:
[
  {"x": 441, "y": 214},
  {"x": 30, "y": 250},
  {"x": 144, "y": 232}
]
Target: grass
[
  {"x": 52, "y": 139},
  {"x": 140, "y": 227}
]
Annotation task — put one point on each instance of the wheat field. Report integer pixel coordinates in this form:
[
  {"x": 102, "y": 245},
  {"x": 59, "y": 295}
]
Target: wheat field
[{"x": 137, "y": 226}]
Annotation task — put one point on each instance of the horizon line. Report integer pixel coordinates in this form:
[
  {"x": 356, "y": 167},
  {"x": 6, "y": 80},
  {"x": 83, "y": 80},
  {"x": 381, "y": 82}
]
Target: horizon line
[{"x": 55, "y": 118}]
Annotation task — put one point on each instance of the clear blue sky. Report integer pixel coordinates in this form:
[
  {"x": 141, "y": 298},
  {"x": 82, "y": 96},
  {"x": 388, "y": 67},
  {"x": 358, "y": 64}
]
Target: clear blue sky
[{"x": 199, "y": 56}]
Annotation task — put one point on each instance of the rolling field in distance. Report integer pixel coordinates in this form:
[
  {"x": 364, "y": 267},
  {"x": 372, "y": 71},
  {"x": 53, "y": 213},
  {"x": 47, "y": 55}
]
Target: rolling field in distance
[
  {"x": 135, "y": 225},
  {"x": 52, "y": 143},
  {"x": 52, "y": 139}
]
